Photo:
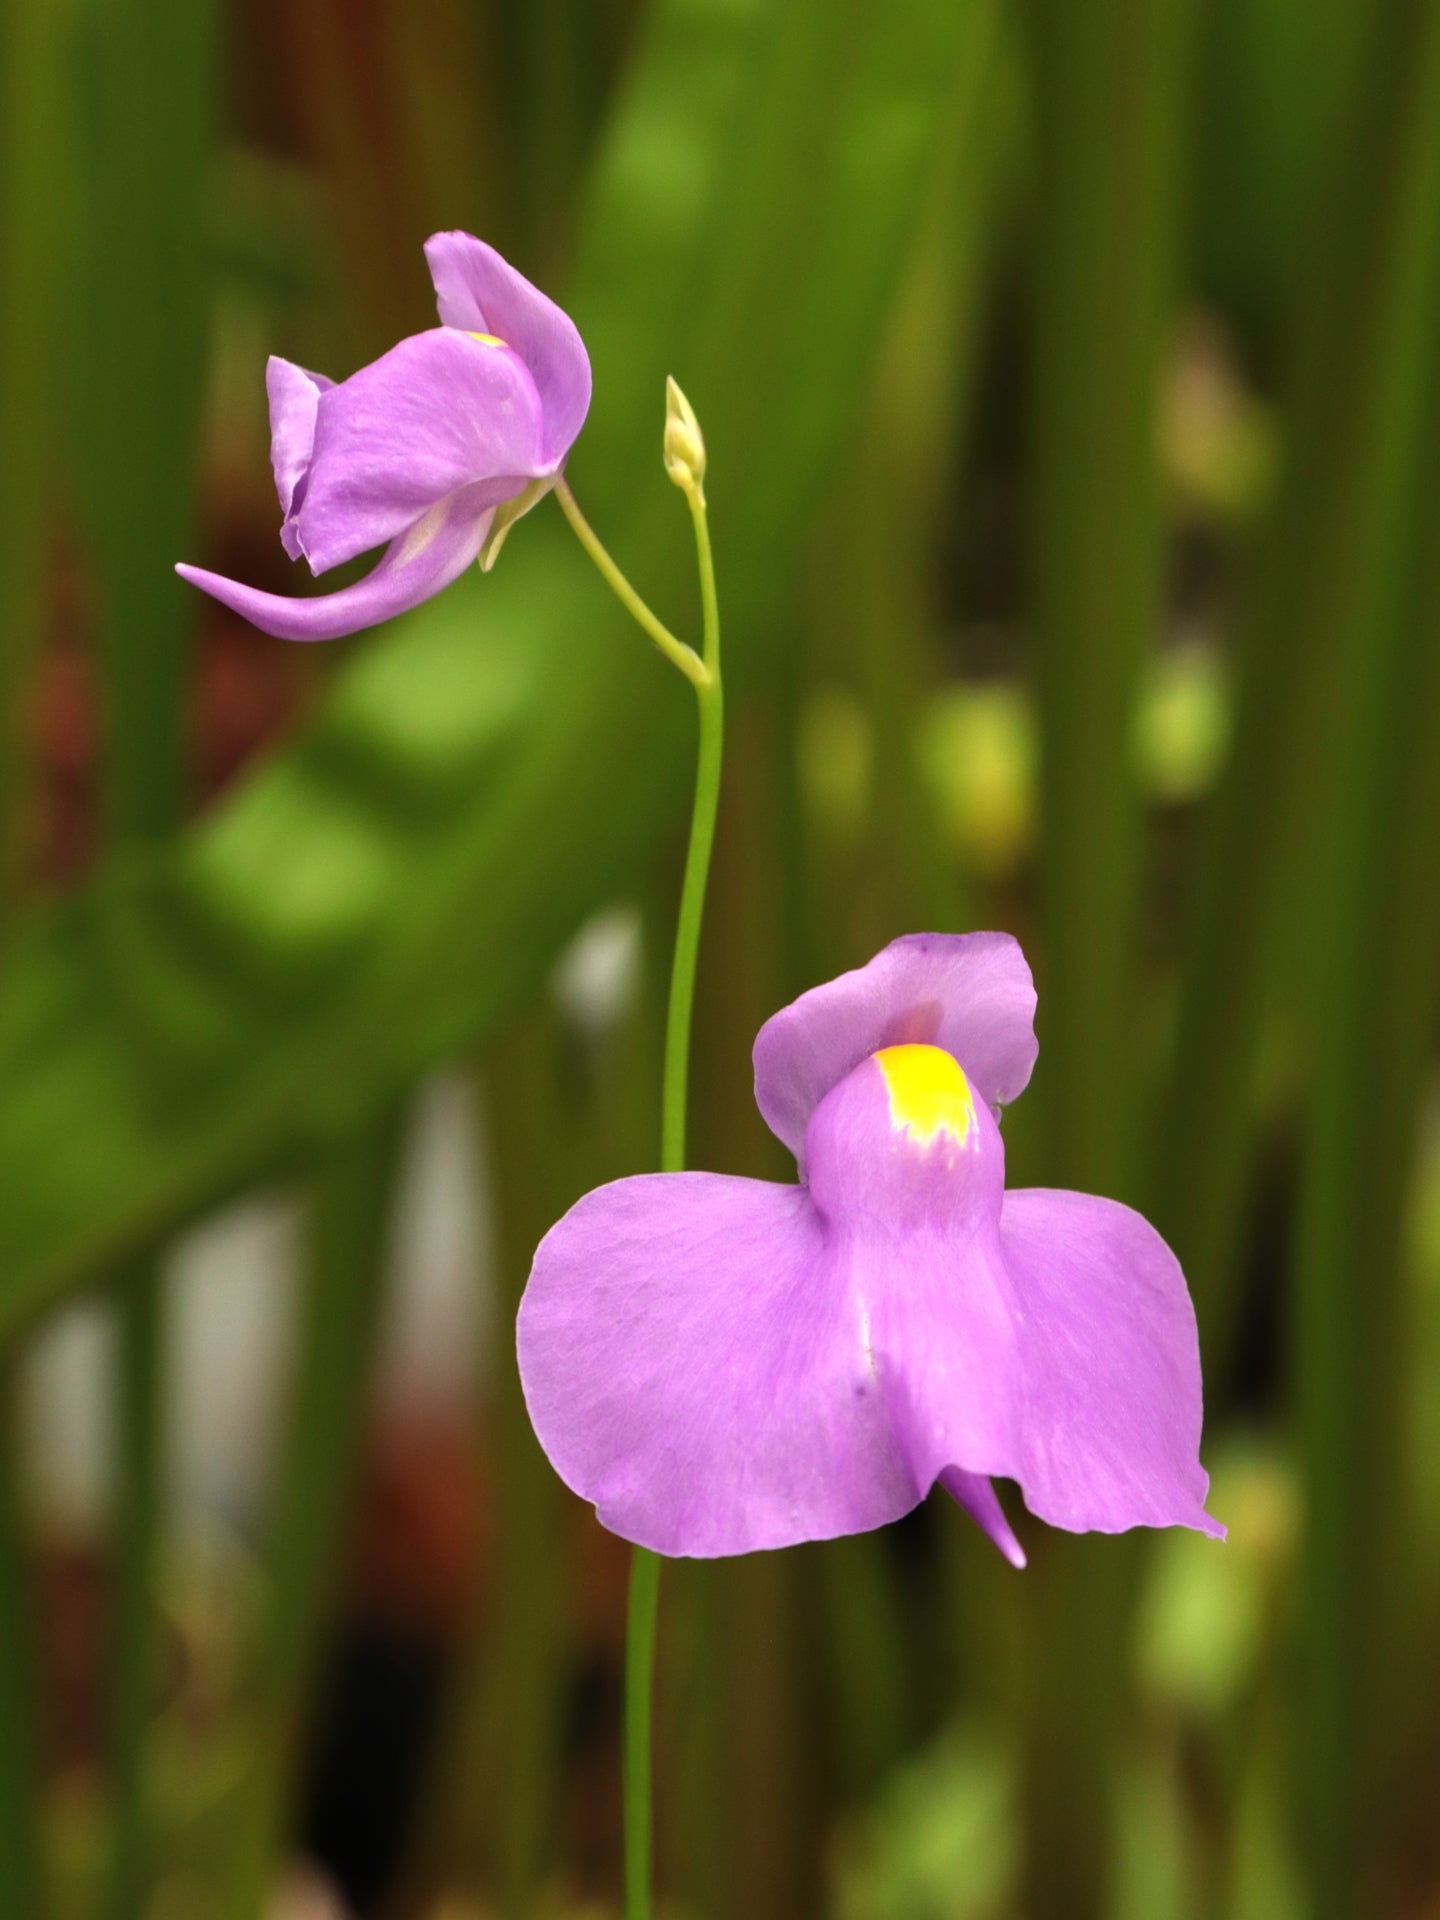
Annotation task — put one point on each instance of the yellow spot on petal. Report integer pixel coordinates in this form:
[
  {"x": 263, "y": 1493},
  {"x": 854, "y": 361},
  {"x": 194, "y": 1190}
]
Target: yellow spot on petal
[
  {"x": 929, "y": 1093},
  {"x": 488, "y": 339}
]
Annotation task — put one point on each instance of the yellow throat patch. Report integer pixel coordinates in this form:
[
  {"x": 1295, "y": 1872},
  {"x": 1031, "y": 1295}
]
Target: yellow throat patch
[
  {"x": 929, "y": 1094},
  {"x": 488, "y": 339}
]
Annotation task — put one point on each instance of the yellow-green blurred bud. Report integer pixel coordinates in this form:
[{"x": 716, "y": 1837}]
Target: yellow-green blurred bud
[{"x": 684, "y": 442}]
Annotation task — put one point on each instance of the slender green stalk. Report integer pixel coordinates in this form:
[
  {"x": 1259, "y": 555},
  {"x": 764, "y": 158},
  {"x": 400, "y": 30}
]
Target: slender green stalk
[
  {"x": 676, "y": 651},
  {"x": 645, "y": 1566},
  {"x": 704, "y": 675},
  {"x": 639, "y": 1691},
  {"x": 339, "y": 1322},
  {"x": 697, "y": 866}
]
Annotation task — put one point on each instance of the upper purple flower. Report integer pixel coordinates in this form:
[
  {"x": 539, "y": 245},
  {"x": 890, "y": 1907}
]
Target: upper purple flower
[
  {"x": 436, "y": 448},
  {"x": 723, "y": 1364}
]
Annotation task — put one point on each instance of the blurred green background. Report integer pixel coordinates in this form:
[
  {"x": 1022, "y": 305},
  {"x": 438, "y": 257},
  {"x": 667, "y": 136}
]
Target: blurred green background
[{"x": 1071, "y": 379}]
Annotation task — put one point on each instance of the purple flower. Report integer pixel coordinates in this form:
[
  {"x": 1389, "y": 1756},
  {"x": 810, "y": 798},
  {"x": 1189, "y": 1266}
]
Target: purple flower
[
  {"x": 437, "y": 448},
  {"x": 723, "y": 1364}
]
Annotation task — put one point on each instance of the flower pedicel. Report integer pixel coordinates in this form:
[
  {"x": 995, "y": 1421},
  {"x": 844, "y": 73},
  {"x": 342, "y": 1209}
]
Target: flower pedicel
[{"x": 726, "y": 1364}]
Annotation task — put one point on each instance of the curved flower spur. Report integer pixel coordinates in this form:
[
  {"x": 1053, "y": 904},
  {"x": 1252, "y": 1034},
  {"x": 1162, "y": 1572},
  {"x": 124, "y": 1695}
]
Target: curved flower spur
[
  {"x": 725, "y": 1364},
  {"x": 438, "y": 447}
]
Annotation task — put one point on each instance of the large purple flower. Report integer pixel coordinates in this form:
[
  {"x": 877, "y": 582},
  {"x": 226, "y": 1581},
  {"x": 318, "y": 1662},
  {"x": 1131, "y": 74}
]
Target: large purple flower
[
  {"x": 436, "y": 448},
  {"x": 723, "y": 1364}
]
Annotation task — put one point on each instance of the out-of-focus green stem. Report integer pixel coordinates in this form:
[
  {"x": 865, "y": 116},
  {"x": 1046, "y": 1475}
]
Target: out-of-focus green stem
[
  {"x": 645, "y": 1566},
  {"x": 1364, "y": 330},
  {"x": 19, "y": 1800},
  {"x": 140, "y": 386},
  {"x": 1110, "y": 98},
  {"x": 511, "y": 1751},
  {"x": 32, "y": 155},
  {"x": 899, "y": 490},
  {"x": 1379, "y": 926},
  {"x": 1110, "y": 110},
  {"x": 138, "y": 1536},
  {"x": 340, "y": 1313}
]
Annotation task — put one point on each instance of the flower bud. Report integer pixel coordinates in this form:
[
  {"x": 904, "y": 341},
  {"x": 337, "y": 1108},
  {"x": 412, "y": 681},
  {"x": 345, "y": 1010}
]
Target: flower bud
[{"x": 684, "y": 442}]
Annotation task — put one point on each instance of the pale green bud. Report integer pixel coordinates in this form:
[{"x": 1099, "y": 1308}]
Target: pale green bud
[{"x": 684, "y": 442}]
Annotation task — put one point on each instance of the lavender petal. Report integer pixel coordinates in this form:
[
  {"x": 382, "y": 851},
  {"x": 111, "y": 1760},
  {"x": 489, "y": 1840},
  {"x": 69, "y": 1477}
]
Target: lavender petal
[
  {"x": 439, "y": 412},
  {"x": 969, "y": 993},
  {"x": 478, "y": 291},
  {"x": 1110, "y": 1423},
  {"x": 419, "y": 562}
]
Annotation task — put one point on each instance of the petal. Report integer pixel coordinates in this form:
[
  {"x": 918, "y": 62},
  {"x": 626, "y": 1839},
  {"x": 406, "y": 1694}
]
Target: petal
[
  {"x": 477, "y": 291},
  {"x": 294, "y": 395},
  {"x": 694, "y": 1357},
  {"x": 912, "y": 1186},
  {"x": 1110, "y": 1421},
  {"x": 970, "y": 993},
  {"x": 438, "y": 412},
  {"x": 425, "y": 558}
]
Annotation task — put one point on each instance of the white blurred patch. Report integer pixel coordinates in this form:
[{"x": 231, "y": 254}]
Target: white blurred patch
[
  {"x": 232, "y": 1288},
  {"x": 440, "y": 1251},
  {"x": 65, "y": 1379},
  {"x": 232, "y": 1285},
  {"x": 597, "y": 977}
]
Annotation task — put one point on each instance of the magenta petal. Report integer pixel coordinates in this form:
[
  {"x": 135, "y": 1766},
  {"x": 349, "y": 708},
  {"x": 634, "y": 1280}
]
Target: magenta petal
[
  {"x": 970, "y": 993},
  {"x": 438, "y": 412},
  {"x": 419, "y": 562},
  {"x": 695, "y": 1361},
  {"x": 1109, "y": 1425},
  {"x": 478, "y": 291}
]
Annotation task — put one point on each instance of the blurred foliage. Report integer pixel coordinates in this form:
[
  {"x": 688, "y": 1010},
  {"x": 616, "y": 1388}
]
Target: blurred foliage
[{"x": 1071, "y": 388}]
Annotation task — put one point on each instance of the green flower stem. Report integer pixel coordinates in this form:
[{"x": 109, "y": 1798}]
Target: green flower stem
[
  {"x": 645, "y": 1566},
  {"x": 675, "y": 651},
  {"x": 697, "y": 861},
  {"x": 639, "y": 1690},
  {"x": 704, "y": 675}
]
